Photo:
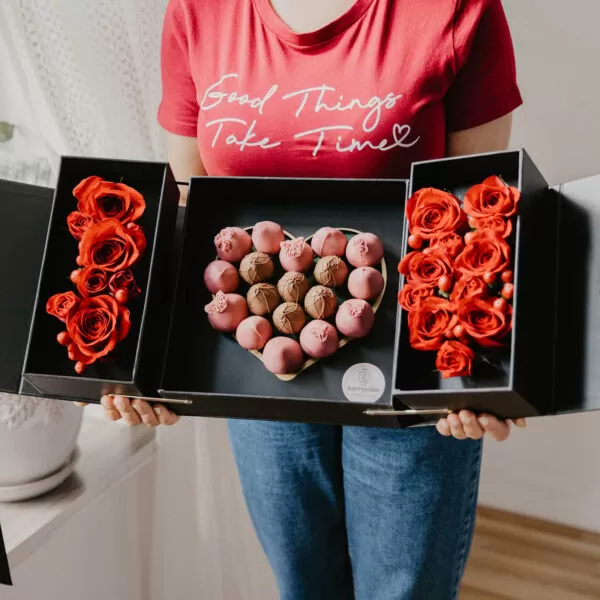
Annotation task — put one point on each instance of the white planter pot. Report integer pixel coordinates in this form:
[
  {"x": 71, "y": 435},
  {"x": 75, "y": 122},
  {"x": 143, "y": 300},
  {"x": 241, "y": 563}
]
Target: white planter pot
[{"x": 37, "y": 444}]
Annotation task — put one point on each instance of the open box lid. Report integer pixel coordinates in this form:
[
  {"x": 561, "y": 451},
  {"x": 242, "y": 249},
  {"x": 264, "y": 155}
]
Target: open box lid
[
  {"x": 577, "y": 376},
  {"x": 24, "y": 217}
]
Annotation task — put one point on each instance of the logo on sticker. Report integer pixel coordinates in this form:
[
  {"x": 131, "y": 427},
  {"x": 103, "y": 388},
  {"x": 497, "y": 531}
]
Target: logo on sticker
[{"x": 363, "y": 383}]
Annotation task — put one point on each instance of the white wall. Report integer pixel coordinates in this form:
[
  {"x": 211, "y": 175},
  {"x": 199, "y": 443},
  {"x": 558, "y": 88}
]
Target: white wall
[{"x": 552, "y": 470}]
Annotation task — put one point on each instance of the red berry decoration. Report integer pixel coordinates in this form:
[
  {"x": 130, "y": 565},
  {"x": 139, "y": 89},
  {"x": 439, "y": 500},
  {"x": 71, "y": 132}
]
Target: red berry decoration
[
  {"x": 79, "y": 261},
  {"x": 507, "y": 277},
  {"x": 79, "y": 368},
  {"x": 63, "y": 338},
  {"x": 489, "y": 278},
  {"x": 459, "y": 331},
  {"x": 75, "y": 275},
  {"x": 445, "y": 283},
  {"x": 508, "y": 290},
  {"x": 469, "y": 237},
  {"x": 122, "y": 296},
  {"x": 500, "y": 304},
  {"x": 472, "y": 222},
  {"x": 450, "y": 334},
  {"x": 415, "y": 242}
]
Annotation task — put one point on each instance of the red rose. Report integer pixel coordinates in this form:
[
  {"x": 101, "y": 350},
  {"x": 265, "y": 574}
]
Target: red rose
[
  {"x": 484, "y": 323},
  {"x": 429, "y": 322},
  {"x": 485, "y": 253},
  {"x": 410, "y": 296},
  {"x": 123, "y": 280},
  {"x": 432, "y": 213},
  {"x": 101, "y": 199},
  {"x": 96, "y": 327},
  {"x": 111, "y": 246},
  {"x": 454, "y": 359},
  {"x": 425, "y": 269},
  {"x": 450, "y": 243},
  {"x": 78, "y": 223},
  {"x": 91, "y": 281},
  {"x": 468, "y": 287},
  {"x": 503, "y": 227},
  {"x": 62, "y": 305},
  {"x": 492, "y": 197}
]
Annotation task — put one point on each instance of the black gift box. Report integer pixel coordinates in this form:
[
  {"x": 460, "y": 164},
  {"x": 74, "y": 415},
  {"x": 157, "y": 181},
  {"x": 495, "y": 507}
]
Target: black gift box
[
  {"x": 519, "y": 381},
  {"x": 216, "y": 375},
  {"x": 137, "y": 362}
]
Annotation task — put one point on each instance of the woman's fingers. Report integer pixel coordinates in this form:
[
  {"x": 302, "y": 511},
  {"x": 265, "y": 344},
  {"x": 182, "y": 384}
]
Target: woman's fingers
[
  {"x": 129, "y": 414},
  {"x": 165, "y": 416},
  {"x": 498, "y": 430},
  {"x": 443, "y": 427},
  {"x": 146, "y": 412},
  {"x": 470, "y": 425},
  {"x": 110, "y": 411},
  {"x": 456, "y": 427},
  {"x": 520, "y": 423}
]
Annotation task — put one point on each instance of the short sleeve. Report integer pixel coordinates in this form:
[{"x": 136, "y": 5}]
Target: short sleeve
[
  {"x": 485, "y": 85},
  {"x": 178, "y": 110}
]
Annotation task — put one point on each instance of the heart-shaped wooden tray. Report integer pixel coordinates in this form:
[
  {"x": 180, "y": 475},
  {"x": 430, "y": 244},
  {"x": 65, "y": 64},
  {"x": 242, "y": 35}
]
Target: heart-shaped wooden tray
[{"x": 343, "y": 340}]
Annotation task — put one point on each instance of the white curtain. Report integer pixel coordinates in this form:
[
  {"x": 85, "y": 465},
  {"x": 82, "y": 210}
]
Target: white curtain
[{"x": 90, "y": 72}]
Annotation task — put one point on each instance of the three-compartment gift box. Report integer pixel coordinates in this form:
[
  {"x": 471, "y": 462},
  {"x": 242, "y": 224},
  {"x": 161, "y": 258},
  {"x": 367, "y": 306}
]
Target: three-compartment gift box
[{"x": 349, "y": 356}]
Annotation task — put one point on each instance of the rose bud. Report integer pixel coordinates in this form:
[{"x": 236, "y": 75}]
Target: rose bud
[
  {"x": 75, "y": 275},
  {"x": 415, "y": 242},
  {"x": 63, "y": 338},
  {"x": 122, "y": 296},
  {"x": 507, "y": 277},
  {"x": 500, "y": 304},
  {"x": 459, "y": 331},
  {"x": 489, "y": 278},
  {"x": 79, "y": 368},
  {"x": 445, "y": 283},
  {"x": 508, "y": 290}
]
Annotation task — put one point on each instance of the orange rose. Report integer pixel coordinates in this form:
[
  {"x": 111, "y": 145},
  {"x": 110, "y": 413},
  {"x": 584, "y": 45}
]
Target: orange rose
[
  {"x": 101, "y": 199},
  {"x": 450, "y": 243},
  {"x": 410, "y": 296},
  {"x": 486, "y": 252},
  {"x": 490, "y": 198},
  {"x": 78, "y": 223},
  {"x": 425, "y": 268},
  {"x": 484, "y": 323},
  {"x": 91, "y": 281},
  {"x": 111, "y": 246},
  {"x": 503, "y": 227},
  {"x": 123, "y": 280},
  {"x": 432, "y": 213},
  {"x": 468, "y": 287},
  {"x": 62, "y": 305},
  {"x": 429, "y": 323},
  {"x": 454, "y": 359},
  {"x": 95, "y": 328}
]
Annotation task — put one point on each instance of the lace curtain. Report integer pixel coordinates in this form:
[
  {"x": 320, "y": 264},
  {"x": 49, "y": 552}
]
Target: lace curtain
[{"x": 90, "y": 72}]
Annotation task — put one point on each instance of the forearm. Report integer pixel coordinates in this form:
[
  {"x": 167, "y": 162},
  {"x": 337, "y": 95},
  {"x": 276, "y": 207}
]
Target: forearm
[
  {"x": 491, "y": 137},
  {"x": 185, "y": 161}
]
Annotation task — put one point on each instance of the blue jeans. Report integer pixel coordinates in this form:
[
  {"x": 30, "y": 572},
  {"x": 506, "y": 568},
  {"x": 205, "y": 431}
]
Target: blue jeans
[{"x": 358, "y": 513}]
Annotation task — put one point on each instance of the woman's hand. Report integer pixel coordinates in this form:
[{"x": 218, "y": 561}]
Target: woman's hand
[
  {"x": 135, "y": 411},
  {"x": 467, "y": 425}
]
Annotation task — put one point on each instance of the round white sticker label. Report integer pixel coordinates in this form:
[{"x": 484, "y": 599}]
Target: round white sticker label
[{"x": 364, "y": 383}]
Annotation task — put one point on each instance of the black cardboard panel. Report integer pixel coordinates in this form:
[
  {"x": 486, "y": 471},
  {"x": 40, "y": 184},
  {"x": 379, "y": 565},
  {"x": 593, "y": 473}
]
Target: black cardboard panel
[
  {"x": 519, "y": 383},
  {"x": 577, "y": 375},
  {"x": 24, "y": 215},
  {"x": 136, "y": 368},
  {"x": 211, "y": 368},
  {"x": 5, "y": 578}
]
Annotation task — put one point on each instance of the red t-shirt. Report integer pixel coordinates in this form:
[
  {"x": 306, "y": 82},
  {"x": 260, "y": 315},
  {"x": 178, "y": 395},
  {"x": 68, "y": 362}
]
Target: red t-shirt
[{"x": 365, "y": 96}]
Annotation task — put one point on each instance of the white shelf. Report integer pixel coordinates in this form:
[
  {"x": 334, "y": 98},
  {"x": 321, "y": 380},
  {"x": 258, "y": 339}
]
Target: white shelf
[{"x": 109, "y": 453}]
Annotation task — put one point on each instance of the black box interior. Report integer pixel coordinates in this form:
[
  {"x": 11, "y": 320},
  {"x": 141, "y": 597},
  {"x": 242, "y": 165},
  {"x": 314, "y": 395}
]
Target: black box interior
[
  {"x": 136, "y": 359},
  {"x": 211, "y": 368},
  {"x": 518, "y": 380}
]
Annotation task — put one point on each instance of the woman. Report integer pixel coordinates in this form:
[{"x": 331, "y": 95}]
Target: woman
[{"x": 342, "y": 88}]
